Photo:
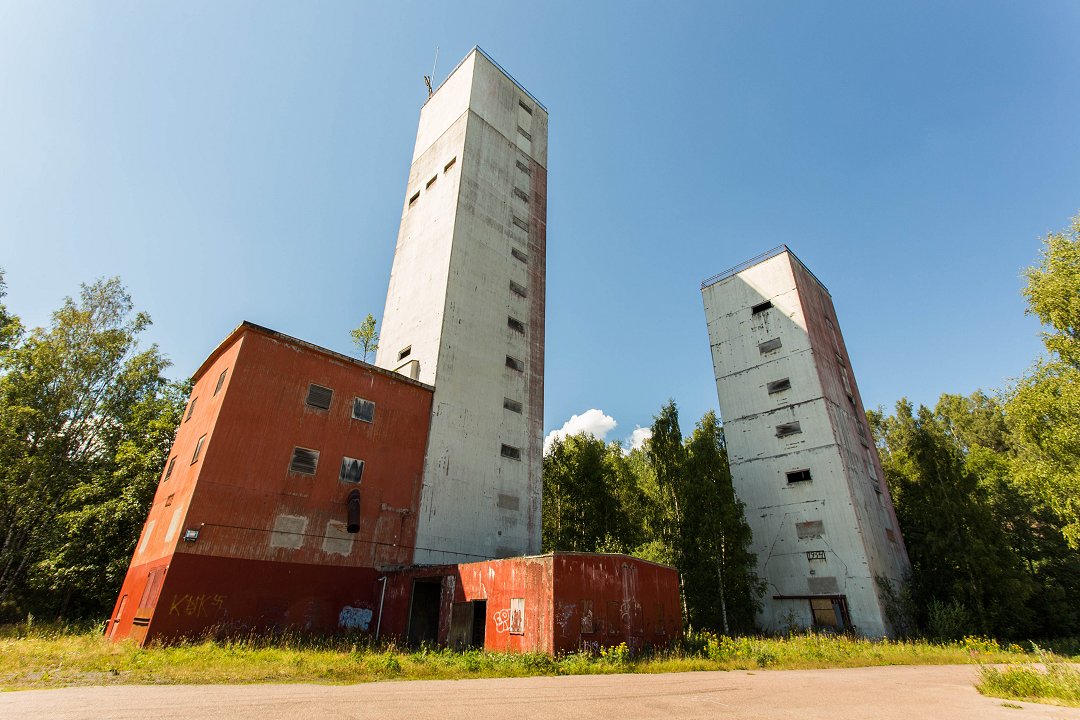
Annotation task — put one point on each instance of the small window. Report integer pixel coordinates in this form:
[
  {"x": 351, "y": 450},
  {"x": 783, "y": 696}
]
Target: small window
[
  {"x": 796, "y": 476},
  {"x": 521, "y": 223},
  {"x": 198, "y": 449},
  {"x": 509, "y": 451},
  {"x": 511, "y": 405},
  {"x": 304, "y": 461},
  {"x": 220, "y": 381},
  {"x": 363, "y": 410},
  {"x": 190, "y": 409},
  {"x": 168, "y": 500},
  {"x": 431, "y": 182},
  {"x": 514, "y": 324},
  {"x": 319, "y": 396},
  {"x": 168, "y": 471},
  {"x": 524, "y": 133},
  {"x": 515, "y": 364},
  {"x": 523, "y": 167},
  {"x": 414, "y": 198},
  {"x": 769, "y": 345},
  {"x": 785, "y": 429},
  {"x": 447, "y": 166},
  {"x": 779, "y": 386},
  {"x": 404, "y": 353},
  {"x": 518, "y": 255},
  {"x": 761, "y": 307},
  {"x": 351, "y": 470},
  {"x": 523, "y": 106},
  {"x": 521, "y": 195},
  {"x": 518, "y": 290}
]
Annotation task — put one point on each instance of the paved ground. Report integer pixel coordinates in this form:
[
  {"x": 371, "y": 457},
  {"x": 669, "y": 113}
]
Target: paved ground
[{"x": 903, "y": 693}]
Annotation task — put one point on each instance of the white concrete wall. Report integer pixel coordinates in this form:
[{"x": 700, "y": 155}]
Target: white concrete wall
[
  {"x": 841, "y": 494},
  {"x": 450, "y": 297}
]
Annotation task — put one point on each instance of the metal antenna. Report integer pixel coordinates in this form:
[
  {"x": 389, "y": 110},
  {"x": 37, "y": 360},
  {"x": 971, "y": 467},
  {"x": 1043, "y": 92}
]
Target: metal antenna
[{"x": 428, "y": 79}]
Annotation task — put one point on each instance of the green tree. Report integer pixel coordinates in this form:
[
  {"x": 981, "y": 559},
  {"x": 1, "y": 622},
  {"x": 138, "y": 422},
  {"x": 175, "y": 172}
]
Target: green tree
[
  {"x": 1044, "y": 410},
  {"x": 719, "y": 570},
  {"x": 86, "y": 418},
  {"x": 365, "y": 338}
]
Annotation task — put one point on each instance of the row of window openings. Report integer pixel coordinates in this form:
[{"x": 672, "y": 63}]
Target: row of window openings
[
  {"x": 511, "y": 362},
  {"x": 429, "y": 183},
  {"x": 305, "y": 461},
  {"x": 320, "y": 397},
  {"x": 217, "y": 389}
]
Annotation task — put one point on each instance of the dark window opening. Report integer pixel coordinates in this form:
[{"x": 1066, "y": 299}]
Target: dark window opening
[
  {"x": 523, "y": 167},
  {"x": 414, "y": 198},
  {"x": 515, "y": 364},
  {"x": 319, "y": 396},
  {"x": 404, "y": 353},
  {"x": 769, "y": 345},
  {"x": 798, "y": 476},
  {"x": 304, "y": 461},
  {"x": 511, "y": 405},
  {"x": 198, "y": 449},
  {"x": 830, "y": 613},
  {"x": 778, "y": 386},
  {"x": 523, "y": 106},
  {"x": 190, "y": 409},
  {"x": 509, "y": 451},
  {"x": 521, "y": 195},
  {"x": 447, "y": 166},
  {"x": 521, "y": 223},
  {"x": 514, "y": 324},
  {"x": 168, "y": 500},
  {"x": 785, "y": 429},
  {"x": 851, "y": 399},
  {"x": 168, "y": 471},
  {"x": 431, "y": 182},
  {"x": 761, "y": 307},
  {"x": 220, "y": 381},
  {"x": 363, "y": 410},
  {"x": 352, "y": 470},
  {"x": 518, "y": 290},
  {"x": 524, "y": 133},
  {"x": 518, "y": 255}
]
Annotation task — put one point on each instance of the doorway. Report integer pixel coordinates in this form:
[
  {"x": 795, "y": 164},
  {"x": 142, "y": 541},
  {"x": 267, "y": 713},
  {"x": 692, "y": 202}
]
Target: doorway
[{"x": 424, "y": 611}]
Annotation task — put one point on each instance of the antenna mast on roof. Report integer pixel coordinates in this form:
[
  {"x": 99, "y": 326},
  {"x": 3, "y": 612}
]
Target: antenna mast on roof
[{"x": 428, "y": 79}]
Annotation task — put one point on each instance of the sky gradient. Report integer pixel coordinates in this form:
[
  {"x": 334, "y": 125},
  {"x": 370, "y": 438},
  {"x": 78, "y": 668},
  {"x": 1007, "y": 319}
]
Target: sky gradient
[{"x": 247, "y": 161}]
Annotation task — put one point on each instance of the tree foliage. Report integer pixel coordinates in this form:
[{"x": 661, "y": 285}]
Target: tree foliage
[
  {"x": 1044, "y": 410},
  {"x": 86, "y": 420},
  {"x": 365, "y": 338}
]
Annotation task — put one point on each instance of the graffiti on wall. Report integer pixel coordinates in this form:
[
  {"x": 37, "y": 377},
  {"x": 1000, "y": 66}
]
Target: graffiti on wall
[
  {"x": 502, "y": 620},
  {"x": 200, "y": 605},
  {"x": 355, "y": 618}
]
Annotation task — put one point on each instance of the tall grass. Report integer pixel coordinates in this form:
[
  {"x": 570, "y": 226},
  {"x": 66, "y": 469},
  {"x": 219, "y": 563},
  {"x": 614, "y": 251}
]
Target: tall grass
[
  {"x": 1056, "y": 682},
  {"x": 36, "y": 657}
]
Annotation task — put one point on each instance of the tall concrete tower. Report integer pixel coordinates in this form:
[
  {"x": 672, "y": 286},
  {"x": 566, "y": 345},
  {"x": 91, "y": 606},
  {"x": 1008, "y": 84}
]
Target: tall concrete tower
[
  {"x": 802, "y": 459},
  {"x": 465, "y": 311}
]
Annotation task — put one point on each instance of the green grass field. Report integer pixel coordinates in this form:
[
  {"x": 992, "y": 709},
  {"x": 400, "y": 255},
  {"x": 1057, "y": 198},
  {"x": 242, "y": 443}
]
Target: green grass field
[
  {"x": 1056, "y": 681},
  {"x": 35, "y": 658}
]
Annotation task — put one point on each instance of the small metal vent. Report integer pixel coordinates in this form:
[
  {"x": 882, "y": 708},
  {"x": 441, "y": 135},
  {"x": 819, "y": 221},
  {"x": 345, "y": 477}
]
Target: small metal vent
[
  {"x": 509, "y": 451},
  {"x": 363, "y": 410},
  {"x": 778, "y": 386},
  {"x": 351, "y": 470},
  {"x": 769, "y": 345},
  {"x": 319, "y": 396},
  {"x": 304, "y": 461}
]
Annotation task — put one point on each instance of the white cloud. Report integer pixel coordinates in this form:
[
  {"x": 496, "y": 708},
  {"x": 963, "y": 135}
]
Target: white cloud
[
  {"x": 592, "y": 421},
  {"x": 638, "y": 438}
]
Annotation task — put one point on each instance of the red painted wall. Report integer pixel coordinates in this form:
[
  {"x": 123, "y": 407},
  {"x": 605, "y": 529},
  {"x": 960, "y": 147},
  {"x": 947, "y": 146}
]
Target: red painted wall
[{"x": 280, "y": 532}]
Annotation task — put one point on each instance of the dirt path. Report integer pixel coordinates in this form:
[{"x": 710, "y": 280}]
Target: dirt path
[{"x": 903, "y": 693}]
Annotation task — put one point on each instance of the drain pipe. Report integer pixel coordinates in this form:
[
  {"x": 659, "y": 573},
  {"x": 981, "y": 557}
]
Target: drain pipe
[{"x": 382, "y": 596}]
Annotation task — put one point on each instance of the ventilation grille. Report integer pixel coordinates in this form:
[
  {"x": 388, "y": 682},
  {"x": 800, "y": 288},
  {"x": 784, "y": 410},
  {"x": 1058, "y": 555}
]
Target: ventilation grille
[
  {"x": 304, "y": 461},
  {"x": 319, "y": 396}
]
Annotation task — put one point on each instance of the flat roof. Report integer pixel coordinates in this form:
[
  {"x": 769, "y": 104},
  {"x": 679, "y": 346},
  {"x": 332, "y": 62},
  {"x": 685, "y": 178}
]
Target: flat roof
[
  {"x": 757, "y": 260},
  {"x": 253, "y": 327},
  {"x": 475, "y": 49}
]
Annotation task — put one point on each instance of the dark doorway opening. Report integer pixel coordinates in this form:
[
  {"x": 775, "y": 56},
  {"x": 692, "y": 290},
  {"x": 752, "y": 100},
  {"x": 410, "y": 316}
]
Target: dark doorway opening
[
  {"x": 467, "y": 620},
  {"x": 424, "y": 611},
  {"x": 479, "y": 623}
]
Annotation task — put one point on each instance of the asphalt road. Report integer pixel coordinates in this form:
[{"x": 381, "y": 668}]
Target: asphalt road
[{"x": 906, "y": 693}]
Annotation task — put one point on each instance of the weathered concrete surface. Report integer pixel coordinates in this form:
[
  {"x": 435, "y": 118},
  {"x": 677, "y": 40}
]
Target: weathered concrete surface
[{"x": 887, "y": 693}]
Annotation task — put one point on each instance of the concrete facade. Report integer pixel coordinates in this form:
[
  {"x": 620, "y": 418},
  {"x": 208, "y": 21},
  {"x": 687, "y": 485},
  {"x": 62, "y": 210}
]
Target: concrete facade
[
  {"x": 802, "y": 458},
  {"x": 465, "y": 311}
]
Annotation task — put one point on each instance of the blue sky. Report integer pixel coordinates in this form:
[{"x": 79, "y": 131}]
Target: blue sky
[{"x": 248, "y": 160}]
